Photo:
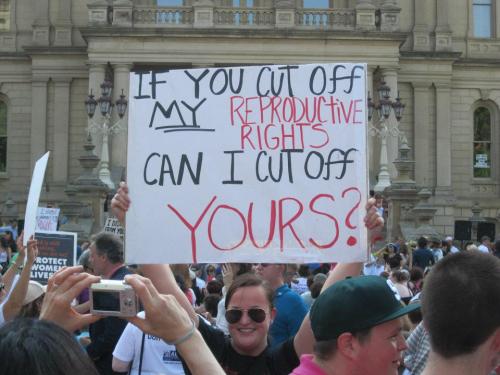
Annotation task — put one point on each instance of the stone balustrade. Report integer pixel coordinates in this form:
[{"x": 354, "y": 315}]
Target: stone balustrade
[{"x": 205, "y": 14}]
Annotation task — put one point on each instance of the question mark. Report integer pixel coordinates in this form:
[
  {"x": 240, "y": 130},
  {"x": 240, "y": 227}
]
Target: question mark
[{"x": 351, "y": 241}]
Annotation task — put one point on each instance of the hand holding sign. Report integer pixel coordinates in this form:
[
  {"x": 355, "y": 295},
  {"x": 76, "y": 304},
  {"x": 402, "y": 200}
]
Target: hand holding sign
[
  {"x": 373, "y": 221},
  {"x": 63, "y": 287},
  {"x": 120, "y": 202}
]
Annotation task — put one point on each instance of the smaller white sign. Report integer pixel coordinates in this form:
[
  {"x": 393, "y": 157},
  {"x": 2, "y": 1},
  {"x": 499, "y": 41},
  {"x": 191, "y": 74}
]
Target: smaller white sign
[
  {"x": 481, "y": 161},
  {"x": 46, "y": 219},
  {"x": 112, "y": 225},
  {"x": 34, "y": 197}
]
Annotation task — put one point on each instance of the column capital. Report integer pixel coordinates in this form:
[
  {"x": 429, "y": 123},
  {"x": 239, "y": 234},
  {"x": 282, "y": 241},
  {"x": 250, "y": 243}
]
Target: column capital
[
  {"x": 442, "y": 86},
  {"x": 61, "y": 80},
  {"x": 421, "y": 85},
  {"x": 122, "y": 67}
]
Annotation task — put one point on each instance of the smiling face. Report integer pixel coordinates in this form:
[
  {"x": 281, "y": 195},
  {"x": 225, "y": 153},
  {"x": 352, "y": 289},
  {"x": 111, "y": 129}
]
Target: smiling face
[
  {"x": 380, "y": 354},
  {"x": 248, "y": 336}
]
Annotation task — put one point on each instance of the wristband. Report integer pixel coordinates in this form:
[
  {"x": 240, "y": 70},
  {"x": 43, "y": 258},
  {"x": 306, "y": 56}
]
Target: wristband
[{"x": 186, "y": 337}]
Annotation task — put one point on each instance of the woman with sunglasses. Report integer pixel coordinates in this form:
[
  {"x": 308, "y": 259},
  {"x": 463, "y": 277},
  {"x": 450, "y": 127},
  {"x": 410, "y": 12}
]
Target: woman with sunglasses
[{"x": 249, "y": 312}]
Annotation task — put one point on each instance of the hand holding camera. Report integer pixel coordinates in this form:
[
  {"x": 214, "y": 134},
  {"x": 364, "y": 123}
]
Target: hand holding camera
[
  {"x": 62, "y": 288},
  {"x": 165, "y": 317}
]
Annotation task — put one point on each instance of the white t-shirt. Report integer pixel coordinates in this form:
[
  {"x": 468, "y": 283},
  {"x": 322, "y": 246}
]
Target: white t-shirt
[
  {"x": 301, "y": 286},
  {"x": 483, "y": 248},
  {"x": 158, "y": 357},
  {"x": 454, "y": 249},
  {"x": 221, "y": 321}
]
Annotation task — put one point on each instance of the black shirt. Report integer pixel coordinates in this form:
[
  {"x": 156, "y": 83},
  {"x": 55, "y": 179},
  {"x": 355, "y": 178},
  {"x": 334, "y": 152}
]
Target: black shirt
[{"x": 278, "y": 361}]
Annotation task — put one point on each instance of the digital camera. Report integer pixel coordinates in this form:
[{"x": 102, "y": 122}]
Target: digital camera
[{"x": 113, "y": 298}]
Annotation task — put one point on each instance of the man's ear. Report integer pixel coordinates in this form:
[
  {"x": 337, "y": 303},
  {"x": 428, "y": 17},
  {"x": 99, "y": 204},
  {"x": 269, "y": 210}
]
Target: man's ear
[{"x": 348, "y": 345}]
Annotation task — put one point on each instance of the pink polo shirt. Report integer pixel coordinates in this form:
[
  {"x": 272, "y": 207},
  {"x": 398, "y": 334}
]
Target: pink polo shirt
[{"x": 308, "y": 367}]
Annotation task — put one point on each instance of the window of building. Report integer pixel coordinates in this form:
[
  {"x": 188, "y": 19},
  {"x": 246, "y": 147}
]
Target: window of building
[
  {"x": 316, "y": 4},
  {"x": 4, "y": 15},
  {"x": 3, "y": 137},
  {"x": 482, "y": 14},
  {"x": 170, "y": 3},
  {"x": 482, "y": 143}
]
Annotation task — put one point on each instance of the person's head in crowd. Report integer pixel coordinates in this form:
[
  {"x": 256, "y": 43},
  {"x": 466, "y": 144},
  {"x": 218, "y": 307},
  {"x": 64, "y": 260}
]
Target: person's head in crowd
[
  {"x": 304, "y": 270},
  {"x": 84, "y": 261},
  {"x": 422, "y": 242},
  {"x": 211, "y": 271},
  {"x": 471, "y": 247},
  {"x": 4, "y": 243},
  {"x": 486, "y": 241},
  {"x": 210, "y": 302},
  {"x": 436, "y": 243},
  {"x": 395, "y": 262},
  {"x": 496, "y": 248},
  {"x": 32, "y": 303},
  {"x": 249, "y": 313},
  {"x": 214, "y": 287},
  {"x": 357, "y": 324},
  {"x": 106, "y": 253},
  {"x": 39, "y": 347},
  {"x": 445, "y": 246},
  {"x": 400, "y": 276},
  {"x": 182, "y": 270},
  {"x": 316, "y": 288},
  {"x": 461, "y": 309},
  {"x": 273, "y": 273},
  {"x": 416, "y": 275}
]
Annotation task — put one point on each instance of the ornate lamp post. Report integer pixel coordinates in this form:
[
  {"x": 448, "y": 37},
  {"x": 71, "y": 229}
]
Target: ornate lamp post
[
  {"x": 105, "y": 128},
  {"x": 383, "y": 128}
]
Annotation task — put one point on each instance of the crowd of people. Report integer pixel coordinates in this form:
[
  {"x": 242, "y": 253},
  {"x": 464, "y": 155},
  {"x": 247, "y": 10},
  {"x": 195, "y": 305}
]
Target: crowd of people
[{"x": 424, "y": 307}]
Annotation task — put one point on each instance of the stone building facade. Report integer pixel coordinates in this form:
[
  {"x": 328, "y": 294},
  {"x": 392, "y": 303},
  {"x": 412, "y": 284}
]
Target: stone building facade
[{"x": 441, "y": 56}]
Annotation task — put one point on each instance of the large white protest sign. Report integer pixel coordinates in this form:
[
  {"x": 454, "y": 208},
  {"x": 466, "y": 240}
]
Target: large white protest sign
[
  {"x": 254, "y": 164},
  {"x": 46, "y": 219},
  {"x": 34, "y": 197}
]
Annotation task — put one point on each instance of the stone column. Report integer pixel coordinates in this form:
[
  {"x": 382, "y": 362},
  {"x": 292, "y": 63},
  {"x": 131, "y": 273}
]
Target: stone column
[
  {"x": 61, "y": 130},
  {"x": 443, "y": 31},
  {"x": 421, "y": 131},
  {"x": 38, "y": 134},
  {"x": 421, "y": 38},
  {"x": 63, "y": 25},
  {"x": 285, "y": 13},
  {"x": 96, "y": 77},
  {"x": 390, "y": 77},
  {"x": 443, "y": 137},
  {"x": 119, "y": 140},
  {"x": 373, "y": 142},
  {"x": 41, "y": 24}
]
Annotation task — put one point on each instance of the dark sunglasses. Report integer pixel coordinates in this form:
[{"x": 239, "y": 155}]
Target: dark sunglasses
[
  {"x": 2, "y": 286},
  {"x": 234, "y": 315},
  {"x": 265, "y": 264}
]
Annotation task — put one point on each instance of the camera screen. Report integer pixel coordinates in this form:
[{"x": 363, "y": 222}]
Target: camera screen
[{"x": 106, "y": 301}]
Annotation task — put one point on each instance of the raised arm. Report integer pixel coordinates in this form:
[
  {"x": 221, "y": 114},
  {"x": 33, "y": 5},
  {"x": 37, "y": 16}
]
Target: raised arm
[
  {"x": 304, "y": 339},
  {"x": 160, "y": 274},
  {"x": 11, "y": 272},
  {"x": 15, "y": 301}
]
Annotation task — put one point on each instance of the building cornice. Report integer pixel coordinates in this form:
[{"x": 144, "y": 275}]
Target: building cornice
[{"x": 113, "y": 31}]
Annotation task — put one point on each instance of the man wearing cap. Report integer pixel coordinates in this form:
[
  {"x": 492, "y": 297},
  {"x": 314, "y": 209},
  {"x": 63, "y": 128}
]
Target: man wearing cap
[{"x": 357, "y": 326}]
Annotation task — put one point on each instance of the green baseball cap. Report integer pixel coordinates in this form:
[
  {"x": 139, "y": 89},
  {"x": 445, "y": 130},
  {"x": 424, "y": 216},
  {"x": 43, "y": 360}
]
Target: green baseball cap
[{"x": 355, "y": 304}]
